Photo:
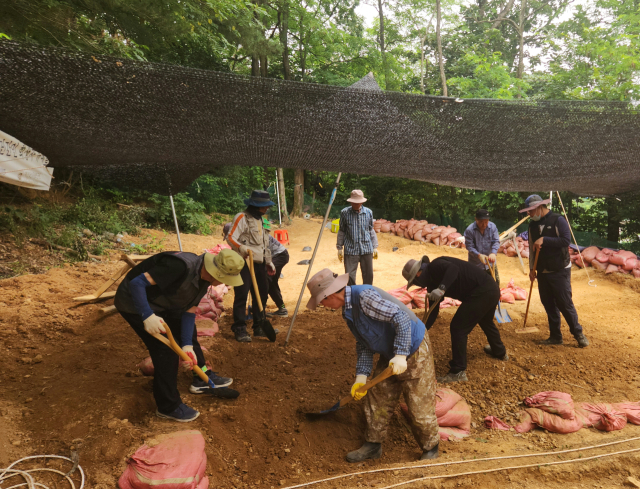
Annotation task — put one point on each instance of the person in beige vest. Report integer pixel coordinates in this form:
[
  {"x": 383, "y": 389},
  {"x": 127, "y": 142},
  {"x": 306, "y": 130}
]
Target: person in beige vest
[{"x": 248, "y": 233}]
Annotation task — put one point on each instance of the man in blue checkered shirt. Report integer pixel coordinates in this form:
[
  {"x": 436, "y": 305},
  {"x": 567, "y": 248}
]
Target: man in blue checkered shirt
[
  {"x": 382, "y": 324},
  {"x": 358, "y": 238}
]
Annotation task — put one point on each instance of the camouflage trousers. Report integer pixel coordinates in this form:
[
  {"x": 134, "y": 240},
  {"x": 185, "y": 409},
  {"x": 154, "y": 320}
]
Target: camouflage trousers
[{"x": 418, "y": 384}]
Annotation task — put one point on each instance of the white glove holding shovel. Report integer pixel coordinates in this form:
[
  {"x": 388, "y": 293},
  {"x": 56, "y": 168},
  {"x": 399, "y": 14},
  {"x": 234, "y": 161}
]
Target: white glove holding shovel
[
  {"x": 398, "y": 364},
  {"x": 154, "y": 325}
]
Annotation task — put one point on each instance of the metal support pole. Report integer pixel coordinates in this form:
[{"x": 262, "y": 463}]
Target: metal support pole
[
  {"x": 278, "y": 199},
  {"x": 313, "y": 257},
  {"x": 175, "y": 220},
  {"x": 550, "y": 199}
]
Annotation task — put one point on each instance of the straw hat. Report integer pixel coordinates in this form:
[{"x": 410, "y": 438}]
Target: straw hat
[
  {"x": 323, "y": 284},
  {"x": 357, "y": 197}
]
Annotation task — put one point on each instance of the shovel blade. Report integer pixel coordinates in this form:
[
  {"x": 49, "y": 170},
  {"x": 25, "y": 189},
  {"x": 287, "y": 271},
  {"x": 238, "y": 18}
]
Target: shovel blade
[
  {"x": 267, "y": 327},
  {"x": 332, "y": 409},
  {"x": 530, "y": 329},
  {"x": 501, "y": 315}
]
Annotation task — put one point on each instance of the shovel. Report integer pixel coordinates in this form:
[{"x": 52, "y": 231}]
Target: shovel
[
  {"x": 501, "y": 315},
  {"x": 171, "y": 343},
  {"x": 260, "y": 320},
  {"x": 531, "y": 329},
  {"x": 386, "y": 373}
]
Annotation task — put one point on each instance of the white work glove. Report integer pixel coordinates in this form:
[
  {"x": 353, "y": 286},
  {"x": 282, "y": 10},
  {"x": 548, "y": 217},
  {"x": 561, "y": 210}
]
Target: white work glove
[
  {"x": 375, "y": 254},
  {"x": 244, "y": 251},
  {"x": 271, "y": 269},
  {"x": 436, "y": 295},
  {"x": 482, "y": 258},
  {"x": 188, "y": 349},
  {"x": 399, "y": 364},
  {"x": 154, "y": 325},
  {"x": 492, "y": 258},
  {"x": 360, "y": 381},
  {"x": 340, "y": 255}
]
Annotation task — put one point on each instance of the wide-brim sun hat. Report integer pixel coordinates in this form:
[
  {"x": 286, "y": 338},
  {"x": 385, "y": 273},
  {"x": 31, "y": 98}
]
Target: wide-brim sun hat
[
  {"x": 225, "y": 267},
  {"x": 411, "y": 268},
  {"x": 534, "y": 201},
  {"x": 259, "y": 198},
  {"x": 323, "y": 284},
  {"x": 357, "y": 197}
]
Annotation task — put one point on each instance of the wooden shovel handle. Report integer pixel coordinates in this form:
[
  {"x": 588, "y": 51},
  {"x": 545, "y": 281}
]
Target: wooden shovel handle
[
  {"x": 171, "y": 343},
  {"x": 253, "y": 279},
  {"x": 386, "y": 373},
  {"x": 428, "y": 312},
  {"x": 535, "y": 266}
]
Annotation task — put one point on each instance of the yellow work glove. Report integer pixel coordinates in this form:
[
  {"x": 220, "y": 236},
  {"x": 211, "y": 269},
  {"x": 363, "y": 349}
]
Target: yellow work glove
[
  {"x": 375, "y": 254},
  {"x": 340, "y": 255},
  {"x": 360, "y": 381}
]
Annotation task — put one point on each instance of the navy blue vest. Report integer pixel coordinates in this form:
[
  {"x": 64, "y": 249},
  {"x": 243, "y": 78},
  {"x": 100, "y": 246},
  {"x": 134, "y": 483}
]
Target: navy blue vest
[{"x": 376, "y": 335}]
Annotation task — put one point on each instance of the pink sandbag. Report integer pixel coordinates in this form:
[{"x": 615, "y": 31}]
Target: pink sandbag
[
  {"x": 449, "y": 302},
  {"x": 218, "y": 248},
  {"x": 579, "y": 262},
  {"x": 507, "y": 296},
  {"x": 525, "y": 253},
  {"x": 519, "y": 293},
  {"x": 588, "y": 254},
  {"x": 386, "y": 227},
  {"x": 175, "y": 461},
  {"x": 450, "y": 433},
  {"x": 611, "y": 268},
  {"x": 597, "y": 265},
  {"x": 537, "y": 417},
  {"x": 621, "y": 257},
  {"x": 553, "y": 402},
  {"x": 402, "y": 294},
  {"x": 610, "y": 419},
  {"x": 630, "y": 264},
  {"x": 494, "y": 423},
  {"x": 459, "y": 416},
  {"x": 146, "y": 367},
  {"x": 208, "y": 331},
  {"x": 436, "y": 241},
  {"x": 445, "y": 400},
  {"x": 419, "y": 300},
  {"x": 630, "y": 409},
  {"x": 636, "y": 272},
  {"x": 604, "y": 255}
]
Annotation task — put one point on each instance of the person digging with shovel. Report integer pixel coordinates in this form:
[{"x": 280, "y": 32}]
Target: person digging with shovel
[
  {"x": 162, "y": 292},
  {"x": 479, "y": 294},
  {"x": 384, "y": 325}
]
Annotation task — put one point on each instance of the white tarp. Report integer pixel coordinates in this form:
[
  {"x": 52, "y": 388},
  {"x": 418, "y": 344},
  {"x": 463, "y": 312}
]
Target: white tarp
[{"x": 20, "y": 165}]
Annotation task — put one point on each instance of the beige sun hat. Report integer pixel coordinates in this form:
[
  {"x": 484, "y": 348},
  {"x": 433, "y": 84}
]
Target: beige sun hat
[
  {"x": 225, "y": 267},
  {"x": 357, "y": 197},
  {"x": 323, "y": 284}
]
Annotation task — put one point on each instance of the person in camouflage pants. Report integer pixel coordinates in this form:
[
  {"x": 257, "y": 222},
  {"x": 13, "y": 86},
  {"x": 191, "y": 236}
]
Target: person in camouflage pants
[
  {"x": 382, "y": 324},
  {"x": 418, "y": 384}
]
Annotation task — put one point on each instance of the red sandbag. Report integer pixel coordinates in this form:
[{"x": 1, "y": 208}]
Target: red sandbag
[
  {"x": 597, "y": 265},
  {"x": 588, "y": 254},
  {"x": 548, "y": 421},
  {"x": 176, "y": 461},
  {"x": 445, "y": 400},
  {"x": 610, "y": 419},
  {"x": 402, "y": 294},
  {"x": 553, "y": 402},
  {"x": 507, "y": 297},
  {"x": 604, "y": 255},
  {"x": 611, "y": 268},
  {"x": 494, "y": 423},
  {"x": 630, "y": 409}
]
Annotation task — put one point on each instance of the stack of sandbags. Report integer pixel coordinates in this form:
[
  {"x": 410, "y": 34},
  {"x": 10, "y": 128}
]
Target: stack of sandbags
[
  {"x": 509, "y": 249},
  {"x": 512, "y": 293},
  {"x": 606, "y": 259}
]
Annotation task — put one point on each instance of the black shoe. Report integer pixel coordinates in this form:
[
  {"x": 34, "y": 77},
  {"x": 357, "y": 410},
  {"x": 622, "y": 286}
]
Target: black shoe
[
  {"x": 242, "y": 336},
  {"x": 583, "y": 342},
  {"x": 488, "y": 351},
  {"x": 451, "y": 377},
  {"x": 224, "y": 393},
  {"x": 199, "y": 386},
  {"x": 430, "y": 454},
  {"x": 551, "y": 341},
  {"x": 182, "y": 414},
  {"x": 281, "y": 313},
  {"x": 259, "y": 332},
  {"x": 365, "y": 452}
]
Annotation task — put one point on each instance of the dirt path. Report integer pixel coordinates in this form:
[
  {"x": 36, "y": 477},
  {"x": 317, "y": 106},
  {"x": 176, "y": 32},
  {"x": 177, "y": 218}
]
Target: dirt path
[{"x": 68, "y": 373}]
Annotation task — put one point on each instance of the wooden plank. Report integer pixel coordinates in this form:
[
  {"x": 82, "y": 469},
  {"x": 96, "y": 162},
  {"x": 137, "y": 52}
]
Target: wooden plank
[
  {"x": 108, "y": 309},
  {"x": 88, "y": 298},
  {"x": 126, "y": 267},
  {"x": 128, "y": 260},
  {"x": 139, "y": 257}
]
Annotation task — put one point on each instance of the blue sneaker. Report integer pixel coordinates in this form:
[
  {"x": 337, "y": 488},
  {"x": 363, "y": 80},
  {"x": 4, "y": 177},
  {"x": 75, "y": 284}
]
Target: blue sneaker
[
  {"x": 199, "y": 386},
  {"x": 182, "y": 414}
]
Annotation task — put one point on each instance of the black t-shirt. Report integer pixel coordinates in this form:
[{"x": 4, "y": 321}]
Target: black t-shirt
[{"x": 168, "y": 273}]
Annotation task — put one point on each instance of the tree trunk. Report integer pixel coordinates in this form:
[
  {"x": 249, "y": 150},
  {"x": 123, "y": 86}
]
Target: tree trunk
[
  {"x": 385, "y": 67},
  {"x": 283, "y": 200},
  {"x": 443, "y": 78},
  {"x": 263, "y": 65},
  {"x": 255, "y": 65},
  {"x": 613, "y": 220},
  {"x": 284, "y": 40},
  {"x": 298, "y": 193},
  {"x": 523, "y": 6},
  {"x": 422, "y": 68}
]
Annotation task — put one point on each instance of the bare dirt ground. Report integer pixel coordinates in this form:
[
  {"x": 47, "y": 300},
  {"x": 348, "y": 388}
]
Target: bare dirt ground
[{"x": 68, "y": 378}]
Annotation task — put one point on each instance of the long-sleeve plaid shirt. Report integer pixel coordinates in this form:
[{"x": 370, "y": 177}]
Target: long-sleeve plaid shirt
[
  {"x": 356, "y": 232},
  {"x": 375, "y": 307}
]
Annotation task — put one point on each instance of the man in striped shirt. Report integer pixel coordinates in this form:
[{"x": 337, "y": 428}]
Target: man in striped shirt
[{"x": 357, "y": 241}]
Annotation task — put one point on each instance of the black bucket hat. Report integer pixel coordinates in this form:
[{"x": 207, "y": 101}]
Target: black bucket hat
[{"x": 259, "y": 198}]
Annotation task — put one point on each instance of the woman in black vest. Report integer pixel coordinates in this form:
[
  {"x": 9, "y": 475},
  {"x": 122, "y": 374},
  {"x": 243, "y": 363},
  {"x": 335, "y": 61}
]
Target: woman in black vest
[{"x": 550, "y": 236}]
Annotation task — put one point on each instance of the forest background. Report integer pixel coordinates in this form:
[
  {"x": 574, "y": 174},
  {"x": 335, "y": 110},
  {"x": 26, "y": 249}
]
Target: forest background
[{"x": 504, "y": 49}]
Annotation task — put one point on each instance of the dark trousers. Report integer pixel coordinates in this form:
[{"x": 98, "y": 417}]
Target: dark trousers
[
  {"x": 366, "y": 267},
  {"x": 165, "y": 360},
  {"x": 242, "y": 292},
  {"x": 478, "y": 309},
  {"x": 279, "y": 261},
  {"x": 556, "y": 297}
]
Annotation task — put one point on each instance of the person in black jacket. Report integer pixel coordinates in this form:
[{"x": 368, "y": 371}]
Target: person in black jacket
[
  {"x": 479, "y": 294},
  {"x": 550, "y": 236}
]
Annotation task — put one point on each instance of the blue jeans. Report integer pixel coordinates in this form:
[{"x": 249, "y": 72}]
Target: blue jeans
[{"x": 556, "y": 297}]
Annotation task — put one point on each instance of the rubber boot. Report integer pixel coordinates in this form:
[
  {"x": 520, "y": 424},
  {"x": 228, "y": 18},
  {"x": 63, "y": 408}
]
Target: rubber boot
[
  {"x": 431, "y": 454},
  {"x": 366, "y": 451}
]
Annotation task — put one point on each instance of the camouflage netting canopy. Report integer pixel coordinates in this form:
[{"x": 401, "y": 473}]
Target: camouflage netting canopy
[{"x": 157, "y": 126}]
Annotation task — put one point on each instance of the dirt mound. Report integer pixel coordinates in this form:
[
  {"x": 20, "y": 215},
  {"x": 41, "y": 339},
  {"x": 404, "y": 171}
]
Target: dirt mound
[{"x": 68, "y": 372}]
